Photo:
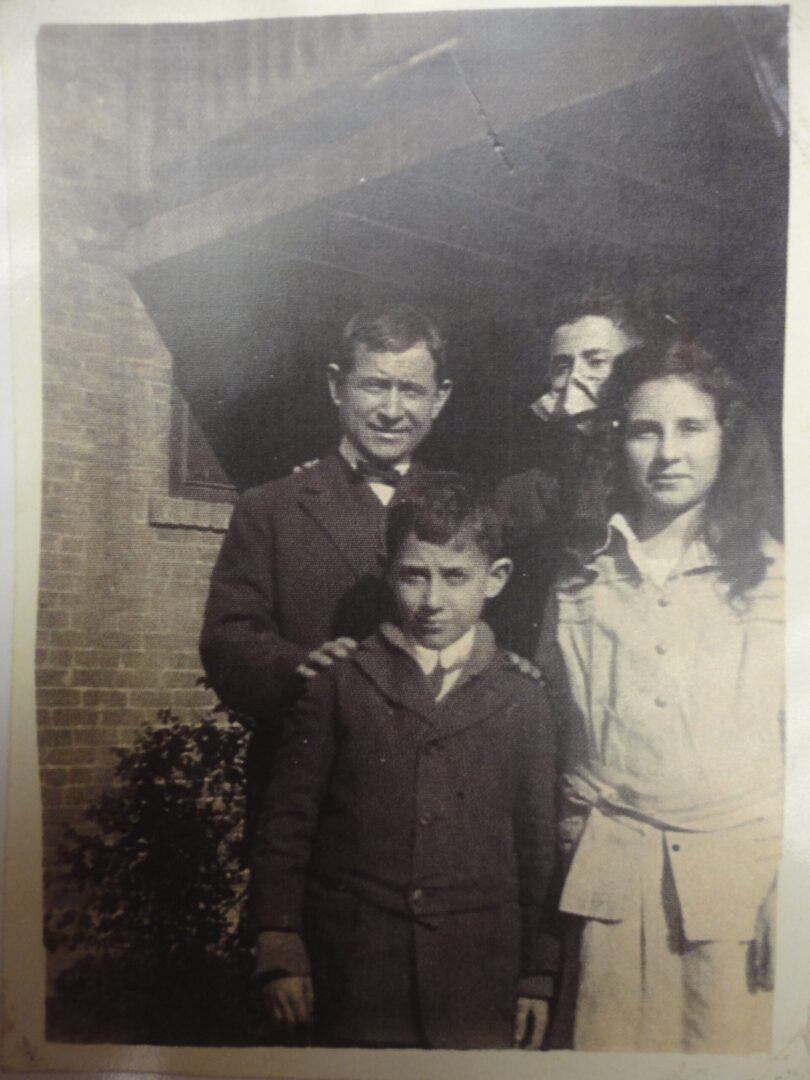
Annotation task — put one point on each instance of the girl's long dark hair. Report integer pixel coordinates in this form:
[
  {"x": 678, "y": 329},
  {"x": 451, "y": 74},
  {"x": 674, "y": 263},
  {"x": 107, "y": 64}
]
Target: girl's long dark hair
[{"x": 744, "y": 504}]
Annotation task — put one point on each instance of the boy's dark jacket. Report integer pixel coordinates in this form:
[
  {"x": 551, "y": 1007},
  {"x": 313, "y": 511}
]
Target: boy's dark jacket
[{"x": 418, "y": 808}]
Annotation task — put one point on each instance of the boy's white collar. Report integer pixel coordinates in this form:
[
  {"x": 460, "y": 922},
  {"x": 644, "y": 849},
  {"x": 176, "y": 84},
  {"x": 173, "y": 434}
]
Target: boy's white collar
[{"x": 452, "y": 656}]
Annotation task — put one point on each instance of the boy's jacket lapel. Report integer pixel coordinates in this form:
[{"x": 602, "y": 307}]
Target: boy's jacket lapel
[
  {"x": 395, "y": 674},
  {"x": 384, "y": 660},
  {"x": 473, "y": 699}
]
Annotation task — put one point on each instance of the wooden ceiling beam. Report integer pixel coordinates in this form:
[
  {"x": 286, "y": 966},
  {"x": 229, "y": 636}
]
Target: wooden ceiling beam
[
  {"x": 425, "y": 238},
  {"x": 562, "y": 223},
  {"x": 480, "y": 88}
]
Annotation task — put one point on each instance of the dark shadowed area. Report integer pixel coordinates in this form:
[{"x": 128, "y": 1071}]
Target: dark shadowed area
[{"x": 476, "y": 165}]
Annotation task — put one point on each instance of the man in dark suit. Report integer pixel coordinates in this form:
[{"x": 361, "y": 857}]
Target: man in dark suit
[
  {"x": 549, "y": 501},
  {"x": 297, "y": 582}
]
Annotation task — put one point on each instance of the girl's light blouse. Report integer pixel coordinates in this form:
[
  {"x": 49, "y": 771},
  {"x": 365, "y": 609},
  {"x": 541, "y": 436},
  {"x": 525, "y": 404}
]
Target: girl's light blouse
[{"x": 671, "y": 683}]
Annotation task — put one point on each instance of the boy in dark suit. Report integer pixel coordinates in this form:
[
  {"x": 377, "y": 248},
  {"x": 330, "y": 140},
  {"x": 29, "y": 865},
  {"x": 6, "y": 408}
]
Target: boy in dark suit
[{"x": 402, "y": 864}]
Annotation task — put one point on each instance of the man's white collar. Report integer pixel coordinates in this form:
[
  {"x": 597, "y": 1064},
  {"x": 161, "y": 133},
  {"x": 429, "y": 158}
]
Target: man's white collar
[{"x": 348, "y": 451}]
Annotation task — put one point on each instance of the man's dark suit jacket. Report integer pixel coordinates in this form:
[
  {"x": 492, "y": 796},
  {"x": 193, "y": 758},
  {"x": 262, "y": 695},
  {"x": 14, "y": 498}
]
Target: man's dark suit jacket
[
  {"x": 413, "y": 843},
  {"x": 300, "y": 565},
  {"x": 549, "y": 506}
]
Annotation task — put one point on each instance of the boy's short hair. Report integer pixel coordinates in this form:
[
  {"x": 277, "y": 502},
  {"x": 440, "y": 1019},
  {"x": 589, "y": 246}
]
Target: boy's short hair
[{"x": 440, "y": 506}]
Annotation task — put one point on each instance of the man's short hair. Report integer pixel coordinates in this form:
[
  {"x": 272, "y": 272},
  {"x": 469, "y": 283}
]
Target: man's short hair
[
  {"x": 626, "y": 314},
  {"x": 393, "y": 328},
  {"x": 440, "y": 507}
]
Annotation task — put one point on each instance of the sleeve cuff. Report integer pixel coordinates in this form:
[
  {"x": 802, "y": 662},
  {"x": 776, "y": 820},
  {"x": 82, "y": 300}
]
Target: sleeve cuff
[
  {"x": 536, "y": 986},
  {"x": 281, "y": 951}
]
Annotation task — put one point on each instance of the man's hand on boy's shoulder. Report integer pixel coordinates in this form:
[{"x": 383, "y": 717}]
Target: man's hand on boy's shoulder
[
  {"x": 325, "y": 656},
  {"x": 290, "y": 999},
  {"x": 531, "y": 1021}
]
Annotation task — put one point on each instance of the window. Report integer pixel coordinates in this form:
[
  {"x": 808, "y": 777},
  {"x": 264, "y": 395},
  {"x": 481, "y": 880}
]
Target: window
[{"x": 194, "y": 470}]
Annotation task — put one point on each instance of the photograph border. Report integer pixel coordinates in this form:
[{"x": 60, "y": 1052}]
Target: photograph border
[{"x": 24, "y": 1047}]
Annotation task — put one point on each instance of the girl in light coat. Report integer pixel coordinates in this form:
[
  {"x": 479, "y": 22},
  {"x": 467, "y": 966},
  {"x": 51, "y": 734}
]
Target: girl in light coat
[{"x": 666, "y": 648}]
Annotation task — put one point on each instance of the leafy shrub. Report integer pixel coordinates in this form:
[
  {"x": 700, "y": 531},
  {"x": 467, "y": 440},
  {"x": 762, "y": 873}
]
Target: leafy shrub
[{"x": 159, "y": 867}]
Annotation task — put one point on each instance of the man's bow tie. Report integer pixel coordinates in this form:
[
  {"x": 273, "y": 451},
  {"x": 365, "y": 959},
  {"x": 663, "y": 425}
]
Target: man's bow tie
[{"x": 378, "y": 474}]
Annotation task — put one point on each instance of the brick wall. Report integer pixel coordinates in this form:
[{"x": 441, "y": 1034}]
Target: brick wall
[{"x": 121, "y": 591}]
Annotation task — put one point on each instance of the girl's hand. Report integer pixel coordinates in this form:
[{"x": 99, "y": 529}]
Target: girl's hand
[{"x": 763, "y": 945}]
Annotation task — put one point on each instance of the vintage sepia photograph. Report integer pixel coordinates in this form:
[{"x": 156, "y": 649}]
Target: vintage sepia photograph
[{"x": 410, "y": 624}]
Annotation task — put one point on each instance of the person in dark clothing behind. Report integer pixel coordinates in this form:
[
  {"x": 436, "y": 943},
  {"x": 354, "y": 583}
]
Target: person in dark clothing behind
[
  {"x": 402, "y": 865},
  {"x": 298, "y": 580},
  {"x": 544, "y": 502}
]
